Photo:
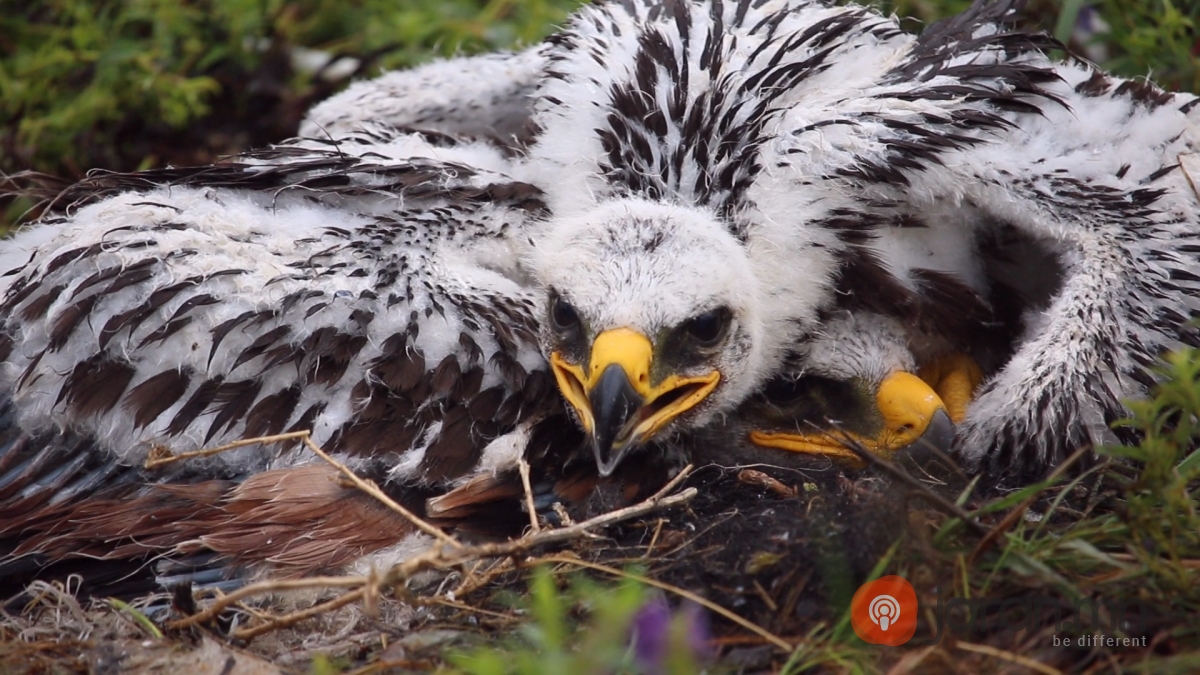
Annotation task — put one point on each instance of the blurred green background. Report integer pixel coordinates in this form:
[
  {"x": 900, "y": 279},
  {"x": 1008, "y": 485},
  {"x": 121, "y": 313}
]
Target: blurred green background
[{"x": 127, "y": 84}]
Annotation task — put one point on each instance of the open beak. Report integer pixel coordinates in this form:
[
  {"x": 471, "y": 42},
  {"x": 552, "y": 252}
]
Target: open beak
[
  {"x": 912, "y": 414},
  {"x": 617, "y": 403}
]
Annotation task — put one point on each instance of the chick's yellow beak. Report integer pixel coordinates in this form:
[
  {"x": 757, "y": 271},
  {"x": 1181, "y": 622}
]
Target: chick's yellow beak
[
  {"x": 911, "y": 412},
  {"x": 616, "y": 397}
]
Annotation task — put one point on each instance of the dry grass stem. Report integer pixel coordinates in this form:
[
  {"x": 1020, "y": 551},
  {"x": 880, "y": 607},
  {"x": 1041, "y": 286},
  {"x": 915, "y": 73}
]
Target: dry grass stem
[
  {"x": 670, "y": 486},
  {"x": 561, "y": 512},
  {"x": 1130, "y": 558},
  {"x": 1190, "y": 163},
  {"x": 1008, "y": 656},
  {"x": 373, "y": 490},
  {"x": 765, "y": 597},
  {"x": 900, "y": 474},
  {"x": 909, "y": 662},
  {"x": 658, "y": 526},
  {"x": 160, "y": 456},
  {"x": 261, "y": 588},
  {"x": 298, "y": 616},
  {"x": 683, "y": 593}
]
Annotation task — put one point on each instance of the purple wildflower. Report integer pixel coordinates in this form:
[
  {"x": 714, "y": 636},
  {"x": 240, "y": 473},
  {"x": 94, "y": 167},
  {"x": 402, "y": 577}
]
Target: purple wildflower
[{"x": 666, "y": 642}]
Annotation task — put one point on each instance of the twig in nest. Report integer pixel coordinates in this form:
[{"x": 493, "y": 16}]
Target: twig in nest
[
  {"x": 561, "y": 512},
  {"x": 230, "y": 599},
  {"x": 462, "y": 606},
  {"x": 759, "y": 479},
  {"x": 373, "y": 490},
  {"x": 475, "y": 580},
  {"x": 671, "y": 485},
  {"x": 437, "y": 557},
  {"x": 658, "y": 526},
  {"x": 683, "y": 593},
  {"x": 296, "y": 617},
  {"x": 900, "y": 474},
  {"x": 523, "y": 467},
  {"x": 440, "y": 558},
  {"x": 1186, "y": 563},
  {"x": 160, "y": 455}
]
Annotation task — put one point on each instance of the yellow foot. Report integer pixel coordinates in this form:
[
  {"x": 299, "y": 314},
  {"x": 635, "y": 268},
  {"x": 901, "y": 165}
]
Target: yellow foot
[
  {"x": 831, "y": 445},
  {"x": 954, "y": 377}
]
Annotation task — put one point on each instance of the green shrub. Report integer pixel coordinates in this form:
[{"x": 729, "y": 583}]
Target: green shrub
[
  {"x": 137, "y": 83},
  {"x": 1161, "y": 509}
]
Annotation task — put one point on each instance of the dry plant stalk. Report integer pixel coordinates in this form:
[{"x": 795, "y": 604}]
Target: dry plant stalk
[
  {"x": 922, "y": 490},
  {"x": 161, "y": 456},
  {"x": 683, "y": 593},
  {"x": 1019, "y": 511},
  {"x": 1003, "y": 655},
  {"x": 437, "y": 557},
  {"x": 446, "y": 553},
  {"x": 372, "y": 489},
  {"x": 523, "y": 467}
]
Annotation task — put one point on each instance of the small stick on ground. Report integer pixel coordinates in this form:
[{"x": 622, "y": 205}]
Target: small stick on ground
[
  {"x": 437, "y": 557},
  {"x": 1186, "y": 563},
  {"x": 230, "y": 599},
  {"x": 161, "y": 456},
  {"x": 296, "y": 617},
  {"x": 671, "y": 485}
]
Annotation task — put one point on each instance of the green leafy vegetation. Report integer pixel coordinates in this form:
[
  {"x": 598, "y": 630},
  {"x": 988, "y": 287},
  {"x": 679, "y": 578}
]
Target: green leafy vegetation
[
  {"x": 581, "y": 629},
  {"x": 1160, "y": 512},
  {"x": 1154, "y": 38},
  {"x": 139, "y": 83}
]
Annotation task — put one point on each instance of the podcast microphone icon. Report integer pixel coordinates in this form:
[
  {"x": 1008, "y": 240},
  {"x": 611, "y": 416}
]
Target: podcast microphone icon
[{"x": 884, "y": 611}]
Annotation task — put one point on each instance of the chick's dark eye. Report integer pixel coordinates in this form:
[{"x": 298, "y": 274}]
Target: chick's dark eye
[
  {"x": 708, "y": 328},
  {"x": 563, "y": 314}
]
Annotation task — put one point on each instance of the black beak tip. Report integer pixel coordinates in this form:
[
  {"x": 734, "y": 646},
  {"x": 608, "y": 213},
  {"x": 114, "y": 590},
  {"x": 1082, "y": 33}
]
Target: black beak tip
[
  {"x": 939, "y": 435},
  {"x": 615, "y": 403}
]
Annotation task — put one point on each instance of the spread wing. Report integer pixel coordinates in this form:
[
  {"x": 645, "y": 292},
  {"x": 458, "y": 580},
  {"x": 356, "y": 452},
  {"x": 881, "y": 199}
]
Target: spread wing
[
  {"x": 377, "y": 301},
  {"x": 486, "y": 97}
]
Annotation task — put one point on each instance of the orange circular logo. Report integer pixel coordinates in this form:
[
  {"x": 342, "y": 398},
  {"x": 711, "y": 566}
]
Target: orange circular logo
[{"x": 884, "y": 611}]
